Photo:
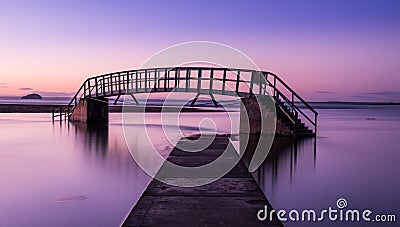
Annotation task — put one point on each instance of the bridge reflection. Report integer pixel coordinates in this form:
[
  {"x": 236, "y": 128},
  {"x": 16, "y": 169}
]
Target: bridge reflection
[
  {"x": 103, "y": 148},
  {"x": 94, "y": 137},
  {"x": 286, "y": 156}
]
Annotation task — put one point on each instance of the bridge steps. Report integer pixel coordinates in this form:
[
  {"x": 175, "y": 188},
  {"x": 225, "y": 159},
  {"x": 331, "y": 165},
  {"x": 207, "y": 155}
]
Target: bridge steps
[{"x": 288, "y": 117}]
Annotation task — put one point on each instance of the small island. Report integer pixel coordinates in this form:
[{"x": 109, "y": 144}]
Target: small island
[{"x": 32, "y": 96}]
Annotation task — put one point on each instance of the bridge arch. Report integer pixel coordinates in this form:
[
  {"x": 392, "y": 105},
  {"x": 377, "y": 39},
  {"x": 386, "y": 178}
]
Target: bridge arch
[{"x": 292, "y": 110}]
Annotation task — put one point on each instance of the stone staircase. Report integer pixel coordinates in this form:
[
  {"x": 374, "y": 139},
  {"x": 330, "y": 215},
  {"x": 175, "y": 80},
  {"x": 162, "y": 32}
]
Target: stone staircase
[{"x": 287, "y": 117}]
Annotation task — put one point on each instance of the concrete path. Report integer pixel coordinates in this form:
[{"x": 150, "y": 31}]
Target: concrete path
[{"x": 232, "y": 200}]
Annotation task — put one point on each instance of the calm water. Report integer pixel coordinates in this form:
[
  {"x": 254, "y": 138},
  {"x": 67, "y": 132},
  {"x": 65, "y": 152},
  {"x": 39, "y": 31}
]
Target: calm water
[
  {"x": 71, "y": 175},
  {"x": 357, "y": 158}
]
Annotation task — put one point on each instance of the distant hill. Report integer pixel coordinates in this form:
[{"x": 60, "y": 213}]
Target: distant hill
[{"x": 32, "y": 96}]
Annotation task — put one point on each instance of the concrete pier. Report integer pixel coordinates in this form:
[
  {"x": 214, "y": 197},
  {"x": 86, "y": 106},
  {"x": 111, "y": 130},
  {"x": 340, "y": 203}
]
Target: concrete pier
[{"x": 232, "y": 200}]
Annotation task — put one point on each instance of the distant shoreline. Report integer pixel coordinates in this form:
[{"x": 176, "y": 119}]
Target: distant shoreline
[{"x": 29, "y": 108}]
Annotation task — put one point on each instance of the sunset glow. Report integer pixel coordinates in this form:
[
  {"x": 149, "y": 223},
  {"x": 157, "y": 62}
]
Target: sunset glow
[{"x": 339, "y": 50}]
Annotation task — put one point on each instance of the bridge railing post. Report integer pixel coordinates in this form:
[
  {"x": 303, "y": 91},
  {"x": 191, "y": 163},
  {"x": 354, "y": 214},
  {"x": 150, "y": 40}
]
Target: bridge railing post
[
  {"x": 315, "y": 123},
  {"x": 177, "y": 75},
  {"x": 84, "y": 90},
  {"x": 211, "y": 81},
  {"x": 165, "y": 79},
  {"x": 104, "y": 85},
  {"x": 96, "y": 85},
  {"x": 152, "y": 83},
  {"x": 251, "y": 83},
  {"x": 109, "y": 83},
  {"x": 223, "y": 81},
  {"x": 140, "y": 80},
  {"x": 119, "y": 82},
  {"x": 198, "y": 81},
  {"x": 145, "y": 80},
  {"x": 123, "y": 81},
  {"x": 260, "y": 86},
  {"x": 277, "y": 100},
  {"x": 292, "y": 104},
  {"x": 187, "y": 79},
  {"x": 237, "y": 81},
  {"x": 89, "y": 89},
  {"x": 128, "y": 82},
  {"x": 157, "y": 82}
]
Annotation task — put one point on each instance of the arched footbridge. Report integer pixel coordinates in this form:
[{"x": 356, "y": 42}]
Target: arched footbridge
[{"x": 292, "y": 110}]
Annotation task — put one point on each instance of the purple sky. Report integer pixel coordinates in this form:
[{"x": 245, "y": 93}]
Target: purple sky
[{"x": 326, "y": 50}]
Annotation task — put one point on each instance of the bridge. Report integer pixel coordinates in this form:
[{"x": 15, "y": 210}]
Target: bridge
[{"x": 90, "y": 102}]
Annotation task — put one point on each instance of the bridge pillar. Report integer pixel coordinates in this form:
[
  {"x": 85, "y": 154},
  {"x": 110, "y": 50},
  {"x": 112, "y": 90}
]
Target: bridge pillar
[
  {"x": 250, "y": 116},
  {"x": 91, "y": 111},
  {"x": 251, "y": 119}
]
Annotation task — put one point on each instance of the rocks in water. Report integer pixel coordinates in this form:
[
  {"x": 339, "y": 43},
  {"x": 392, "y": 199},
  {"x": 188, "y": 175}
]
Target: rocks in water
[{"x": 32, "y": 96}]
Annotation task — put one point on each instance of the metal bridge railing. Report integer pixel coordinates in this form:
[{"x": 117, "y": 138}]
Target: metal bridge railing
[{"x": 201, "y": 80}]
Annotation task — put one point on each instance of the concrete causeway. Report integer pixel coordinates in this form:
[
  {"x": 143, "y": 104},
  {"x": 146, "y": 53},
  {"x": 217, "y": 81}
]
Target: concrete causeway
[{"x": 232, "y": 200}]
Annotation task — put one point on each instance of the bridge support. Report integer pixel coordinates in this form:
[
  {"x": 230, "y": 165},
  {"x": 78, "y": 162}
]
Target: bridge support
[
  {"x": 91, "y": 111},
  {"x": 197, "y": 97},
  {"x": 134, "y": 99},
  {"x": 253, "y": 122},
  {"x": 250, "y": 116}
]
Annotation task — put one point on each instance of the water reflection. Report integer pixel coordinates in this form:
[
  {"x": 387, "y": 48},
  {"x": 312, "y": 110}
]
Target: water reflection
[
  {"x": 282, "y": 161},
  {"x": 66, "y": 174},
  {"x": 42, "y": 163},
  {"x": 94, "y": 137},
  {"x": 354, "y": 158}
]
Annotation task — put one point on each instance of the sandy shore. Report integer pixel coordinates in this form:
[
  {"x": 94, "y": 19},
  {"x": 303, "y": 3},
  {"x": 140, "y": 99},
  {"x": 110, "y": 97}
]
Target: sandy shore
[{"x": 42, "y": 108}]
